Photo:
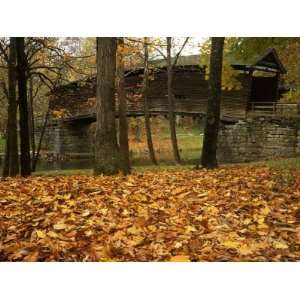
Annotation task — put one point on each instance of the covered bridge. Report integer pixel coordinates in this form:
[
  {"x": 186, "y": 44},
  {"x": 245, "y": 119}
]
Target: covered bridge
[{"x": 259, "y": 82}]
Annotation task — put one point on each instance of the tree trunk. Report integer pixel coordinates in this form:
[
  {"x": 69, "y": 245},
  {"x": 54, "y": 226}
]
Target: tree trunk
[
  {"x": 146, "y": 104},
  {"x": 31, "y": 120},
  {"x": 137, "y": 129},
  {"x": 11, "y": 162},
  {"x": 5, "y": 170},
  {"x": 209, "y": 150},
  {"x": 35, "y": 158},
  {"x": 108, "y": 160},
  {"x": 22, "y": 87},
  {"x": 123, "y": 123},
  {"x": 172, "y": 122}
]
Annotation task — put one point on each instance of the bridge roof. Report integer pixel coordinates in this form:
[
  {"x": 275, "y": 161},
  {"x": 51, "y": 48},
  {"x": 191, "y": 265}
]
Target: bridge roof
[{"x": 269, "y": 62}]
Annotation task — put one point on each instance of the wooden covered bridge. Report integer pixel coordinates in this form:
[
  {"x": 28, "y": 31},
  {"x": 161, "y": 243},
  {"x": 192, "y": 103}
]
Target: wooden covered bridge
[{"x": 260, "y": 86}]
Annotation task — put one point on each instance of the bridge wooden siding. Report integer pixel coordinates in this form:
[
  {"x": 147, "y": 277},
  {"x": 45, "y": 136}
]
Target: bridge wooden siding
[{"x": 190, "y": 89}]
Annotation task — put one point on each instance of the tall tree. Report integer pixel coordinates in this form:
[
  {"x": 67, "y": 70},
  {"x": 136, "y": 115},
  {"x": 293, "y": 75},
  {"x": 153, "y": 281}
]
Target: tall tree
[
  {"x": 11, "y": 164},
  {"x": 170, "y": 77},
  {"x": 108, "y": 160},
  {"x": 123, "y": 124},
  {"x": 146, "y": 104},
  {"x": 209, "y": 149},
  {"x": 12, "y": 111},
  {"x": 5, "y": 170},
  {"x": 172, "y": 122},
  {"x": 36, "y": 156},
  {"x": 31, "y": 119},
  {"x": 23, "y": 108}
]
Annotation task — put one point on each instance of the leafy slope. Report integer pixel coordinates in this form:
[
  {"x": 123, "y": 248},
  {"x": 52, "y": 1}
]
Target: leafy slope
[{"x": 230, "y": 214}]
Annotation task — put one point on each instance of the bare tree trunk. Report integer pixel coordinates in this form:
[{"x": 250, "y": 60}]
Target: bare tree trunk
[
  {"x": 5, "y": 170},
  {"x": 11, "y": 162},
  {"x": 209, "y": 150},
  {"x": 35, "y": 158},
  {"x": 172, "y": 122},
  {"x": 146, "y": 104},
  {"x": 108, "y": 160},
  {"x": 31, "y": 120},
  {"x": 13, "y": 128},
  {"x": 22, "y": 87},
  {"x": 137, "y": 130},
  {"x": 123, "y": 123}
]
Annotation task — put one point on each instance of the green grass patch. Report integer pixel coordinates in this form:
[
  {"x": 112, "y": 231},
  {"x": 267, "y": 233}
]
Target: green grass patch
[
  {"x": 284, "y": 163},
  {"x": 189, "y": 139},
  {"x": 2, "y": 145},
  {"x": 64, "y": 172}
]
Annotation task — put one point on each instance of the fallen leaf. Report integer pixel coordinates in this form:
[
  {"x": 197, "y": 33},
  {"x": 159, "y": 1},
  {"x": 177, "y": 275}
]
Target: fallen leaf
[
  {"x": 280, "y": 245},
  {"x": 180, "y": 258},
  {"x": 59, "y": 226},
  {"x": 40, "y": 234}
]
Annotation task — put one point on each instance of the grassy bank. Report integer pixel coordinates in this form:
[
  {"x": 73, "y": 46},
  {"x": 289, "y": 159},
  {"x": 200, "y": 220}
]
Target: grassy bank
[
  {"x": 279, "y": 164},
  {"x": 2, "y": 145}
]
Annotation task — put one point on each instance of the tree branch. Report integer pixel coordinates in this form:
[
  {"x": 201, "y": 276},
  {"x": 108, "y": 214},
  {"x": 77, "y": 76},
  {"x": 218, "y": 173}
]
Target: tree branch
[{"x": 178, "y": 54}]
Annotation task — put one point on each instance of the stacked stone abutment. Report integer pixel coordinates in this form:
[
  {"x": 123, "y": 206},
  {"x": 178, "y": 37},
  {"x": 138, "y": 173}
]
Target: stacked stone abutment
[{"x": 259, "y": 139}]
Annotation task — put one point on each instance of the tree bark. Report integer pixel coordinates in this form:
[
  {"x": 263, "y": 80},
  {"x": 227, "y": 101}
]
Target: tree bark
[
  {"x": 23, "y": 108},
  {"x": 31, "y": 124},
  {"x": 36, "y": 157},
  {"x": 108, "y": 160},
  {"x": 123, "y": 123},
  {"x": 137, "y": 129},
  {"x": 11, "y": 162},
  {"x": 5, "y": 170},
  {"x": 209, "y": 150},
  {"x": 172, "y": 122},
  {"x": 146, "y": 104}
]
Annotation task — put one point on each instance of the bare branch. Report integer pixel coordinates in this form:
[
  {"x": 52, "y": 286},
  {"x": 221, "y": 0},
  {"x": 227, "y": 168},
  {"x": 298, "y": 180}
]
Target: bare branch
[{"x": 178, "y": 54}]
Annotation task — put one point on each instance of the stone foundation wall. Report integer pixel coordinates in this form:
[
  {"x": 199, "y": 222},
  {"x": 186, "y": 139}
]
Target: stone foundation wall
[
  {"x": 65, "y": 138},
  {"x": 259, "y": 139},
  {"x": 246, "y": 141}
]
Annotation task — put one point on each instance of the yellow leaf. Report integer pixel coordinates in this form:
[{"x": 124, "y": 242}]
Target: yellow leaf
[
  {"x": 247, "y": 221},
  {"x": 202, "y": 195},
  {"x": 66, "y": 210},
  {"x": 261, "y": 220},
  {"x": 212, "y": 210},
  {"x": 180, "y": 258},
  {"x": 134, "y": 230},
  {"x": 71, "y": 203},
  {"x": 86, "y": 213},
  {"x": 189, "y": 229},
  {"x": 67, "y": 196},
  {"x": 137, "y": 239},
  {"x": 52, "y": 234},
  {"x": 103, "y": 211},
  {"x": 40, "y": 234},
  {"x": 261, "y": 223},
  {"x": 59, "y": 226},
  {"x": 151, "y": 227},
  {"x": 88, "y": 232},
  {"x": 231, "y": 244},
  {"x": 262, "y": 226},
  {"x": 178, "y": 245},
  {"x": 280, "y": 245},
  {"x": 265, "y": 211},
  {"x": 245, "y": 249},
  {"x": 125, "y": 212}
]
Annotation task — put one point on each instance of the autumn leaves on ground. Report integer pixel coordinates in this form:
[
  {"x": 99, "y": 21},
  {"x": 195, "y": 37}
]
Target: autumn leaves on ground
[{"x": 228, "y": 214}]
